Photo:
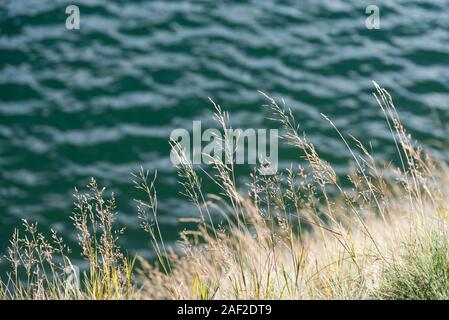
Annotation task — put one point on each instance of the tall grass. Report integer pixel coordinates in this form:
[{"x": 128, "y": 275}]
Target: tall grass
[
  {"x": 41, "y": 267},
  {"x": 304, "y": 234},
  {"x": 378, "y": 233}
]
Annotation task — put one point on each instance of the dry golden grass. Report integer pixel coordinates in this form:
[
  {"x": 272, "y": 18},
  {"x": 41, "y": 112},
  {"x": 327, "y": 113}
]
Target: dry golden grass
[{"x": 300, "y": 234}]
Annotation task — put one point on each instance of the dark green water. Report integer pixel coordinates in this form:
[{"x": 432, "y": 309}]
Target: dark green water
[{"x": 101, "y": 101}]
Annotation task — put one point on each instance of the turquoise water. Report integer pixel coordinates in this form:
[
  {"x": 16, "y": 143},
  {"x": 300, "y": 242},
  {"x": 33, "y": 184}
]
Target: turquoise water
[{"x": 101, "y": 101}]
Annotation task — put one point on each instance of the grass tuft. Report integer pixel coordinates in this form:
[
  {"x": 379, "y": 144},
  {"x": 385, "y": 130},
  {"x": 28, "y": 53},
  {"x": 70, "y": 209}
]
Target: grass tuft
[{"x": 422, "y": 274}]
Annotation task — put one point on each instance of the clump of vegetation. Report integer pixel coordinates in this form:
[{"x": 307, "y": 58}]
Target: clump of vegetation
[
  {"x": 41, "y": 267},
  {"x": 300, "y": 234},
  {"x": 422, "y": 273},
  {"x": 304, "y": 234}
]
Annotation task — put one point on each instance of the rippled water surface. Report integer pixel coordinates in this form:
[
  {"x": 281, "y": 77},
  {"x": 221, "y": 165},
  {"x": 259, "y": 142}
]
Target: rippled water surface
[{"x": 102, "y": 100}]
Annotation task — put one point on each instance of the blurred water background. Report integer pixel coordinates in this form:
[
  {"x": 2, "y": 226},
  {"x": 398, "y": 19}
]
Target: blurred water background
[{"x": 101, "y": 101}]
